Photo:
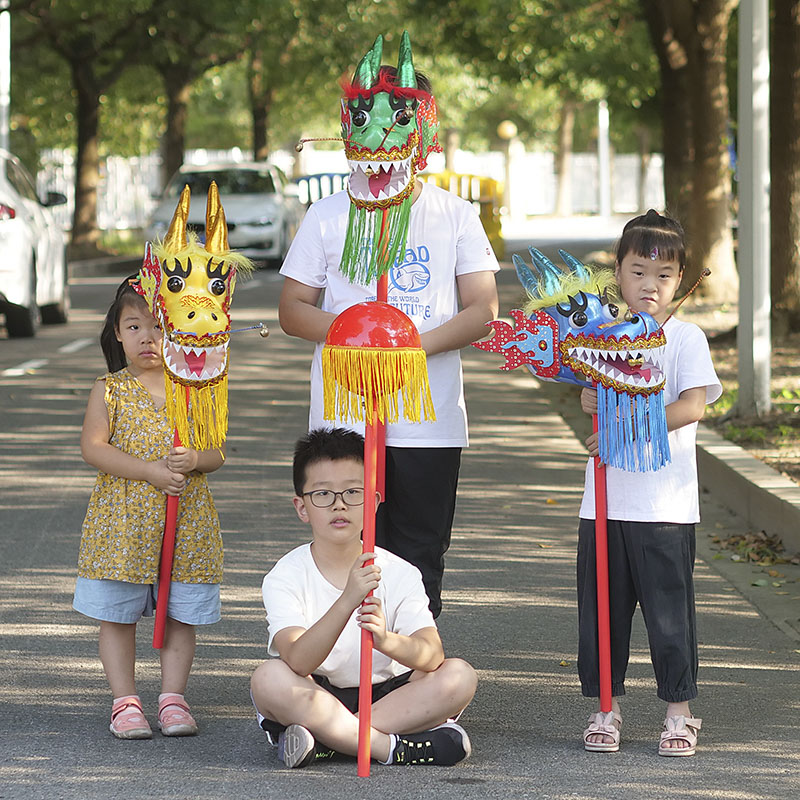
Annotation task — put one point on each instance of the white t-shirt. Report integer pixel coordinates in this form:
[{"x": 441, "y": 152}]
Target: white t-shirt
[
  {"x": 669, "y": 494},
  {"x": 296, "y": 594},
  {"x": 445, "y": 240}
]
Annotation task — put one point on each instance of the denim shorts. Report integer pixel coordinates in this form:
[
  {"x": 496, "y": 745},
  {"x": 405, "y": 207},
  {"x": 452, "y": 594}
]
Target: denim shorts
[{"x": 119, "y": 601}]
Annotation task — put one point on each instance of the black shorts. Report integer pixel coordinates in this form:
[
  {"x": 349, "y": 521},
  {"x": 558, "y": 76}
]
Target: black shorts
[{"x": 348, "y": 697}]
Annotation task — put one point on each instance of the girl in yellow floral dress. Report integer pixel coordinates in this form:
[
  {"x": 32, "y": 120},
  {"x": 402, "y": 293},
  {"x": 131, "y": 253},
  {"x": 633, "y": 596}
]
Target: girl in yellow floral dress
[{"x": 127, "y": 436}]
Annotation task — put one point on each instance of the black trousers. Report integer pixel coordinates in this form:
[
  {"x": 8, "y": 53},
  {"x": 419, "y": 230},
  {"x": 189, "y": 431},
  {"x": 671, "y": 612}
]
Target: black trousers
[
  {"x": 415, "y": 520},
  {"x": 652, "y": 564}
]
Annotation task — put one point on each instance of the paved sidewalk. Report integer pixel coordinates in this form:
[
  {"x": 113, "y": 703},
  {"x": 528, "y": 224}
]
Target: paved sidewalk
[{"x": 509, "y": 609}]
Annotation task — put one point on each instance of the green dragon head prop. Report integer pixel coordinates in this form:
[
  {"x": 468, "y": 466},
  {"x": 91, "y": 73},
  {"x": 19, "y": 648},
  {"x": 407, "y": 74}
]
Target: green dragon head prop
[{"x": 389, "y": 126}]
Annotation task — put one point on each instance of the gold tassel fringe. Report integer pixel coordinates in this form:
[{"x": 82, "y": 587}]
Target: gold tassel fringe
[
  {"x": 203, "y": 423},
  {"x": 359, "y": 382}
]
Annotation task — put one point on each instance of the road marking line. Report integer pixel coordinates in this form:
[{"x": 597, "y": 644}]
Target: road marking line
[
  {"x": 73, "y": 347},
  {"x": 24, "y": 368}
]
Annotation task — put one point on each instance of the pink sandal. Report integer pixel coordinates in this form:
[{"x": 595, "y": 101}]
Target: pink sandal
[
  {"x": 128, "y": 720},
  {"x": 679, "y": 729},
  {"x": 603, "y": 724},
  {"x": 174, "y": 718}
]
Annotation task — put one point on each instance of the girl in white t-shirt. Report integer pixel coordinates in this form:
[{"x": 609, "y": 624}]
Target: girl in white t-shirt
[{"x": 651, "y": 515}]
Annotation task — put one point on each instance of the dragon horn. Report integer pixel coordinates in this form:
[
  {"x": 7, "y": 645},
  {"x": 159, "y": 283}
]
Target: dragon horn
[
  {"x": 526, "y": 277},
  {"x": 550, "y": 274},
  {"x": 406, "y": 74},
  {"x": 577, "y": 267},
  {"x": 366, "y": 73},
  {"x": 175, "y": 240},
  {"x": 216, "y": 229}
]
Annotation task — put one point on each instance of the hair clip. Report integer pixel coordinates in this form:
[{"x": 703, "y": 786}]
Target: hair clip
[{"x": 654, "y": 254}]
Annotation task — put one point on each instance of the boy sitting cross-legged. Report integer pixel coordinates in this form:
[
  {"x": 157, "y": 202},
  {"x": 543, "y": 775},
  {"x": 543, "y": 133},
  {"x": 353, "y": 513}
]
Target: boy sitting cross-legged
[{"x": 307, "y": 699}]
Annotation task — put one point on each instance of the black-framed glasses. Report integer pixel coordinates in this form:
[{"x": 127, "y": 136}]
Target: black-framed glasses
[{"x": 324, "y": 498}]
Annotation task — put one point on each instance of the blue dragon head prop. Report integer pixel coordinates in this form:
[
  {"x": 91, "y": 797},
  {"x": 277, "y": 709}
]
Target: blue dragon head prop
[{"x": 570, "y": 331}]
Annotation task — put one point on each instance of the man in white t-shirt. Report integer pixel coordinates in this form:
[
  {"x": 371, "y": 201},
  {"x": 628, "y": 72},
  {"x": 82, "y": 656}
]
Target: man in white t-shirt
[
  {"x": 317, "y": 605},
  {"x": 447, "y": 261}
]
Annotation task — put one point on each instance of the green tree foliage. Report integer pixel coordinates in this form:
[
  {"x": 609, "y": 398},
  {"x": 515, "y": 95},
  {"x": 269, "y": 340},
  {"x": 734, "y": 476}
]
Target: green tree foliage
[
  {"x": 186, "y": 40},
  {"x": 96, "y": 41}
]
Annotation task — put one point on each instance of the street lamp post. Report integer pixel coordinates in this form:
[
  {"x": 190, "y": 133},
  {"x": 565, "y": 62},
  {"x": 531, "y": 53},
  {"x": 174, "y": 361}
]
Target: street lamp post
[
  {"x": 507, "y": 131},
  {"x": 603, "y": 159},
  {"x": 5, "y": 72},
  {"x": 753, "y": 331}
]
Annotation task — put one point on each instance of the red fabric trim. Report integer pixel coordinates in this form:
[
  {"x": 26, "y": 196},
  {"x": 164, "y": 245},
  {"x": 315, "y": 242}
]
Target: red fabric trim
[{"x": 351, "y": 90}]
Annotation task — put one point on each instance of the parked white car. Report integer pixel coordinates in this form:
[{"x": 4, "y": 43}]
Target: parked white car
[
  {"x": 262, "y": 207},
  {"x": 33, "y": 264}
]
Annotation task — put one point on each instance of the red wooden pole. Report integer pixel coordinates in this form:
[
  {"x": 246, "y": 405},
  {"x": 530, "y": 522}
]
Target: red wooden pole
[
  {"x": 167, "y": 554},
  {"x": 368, "y": 541},
  {"x": 383, "y": 296},
  {"x": 601, "y": 566}
]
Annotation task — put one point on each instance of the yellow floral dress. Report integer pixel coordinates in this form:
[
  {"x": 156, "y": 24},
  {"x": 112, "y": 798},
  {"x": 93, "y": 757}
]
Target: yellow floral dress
[{"x": 121, "y": 537}]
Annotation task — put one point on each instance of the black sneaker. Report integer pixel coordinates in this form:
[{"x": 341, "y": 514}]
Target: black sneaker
[
  {"x": 297, "y": 748},
  {"x": 442, "y": 746}
]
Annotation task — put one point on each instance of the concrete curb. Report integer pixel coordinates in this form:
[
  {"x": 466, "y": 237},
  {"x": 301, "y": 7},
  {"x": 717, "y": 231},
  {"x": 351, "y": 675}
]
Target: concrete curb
[{"x": 760, "y": 495}]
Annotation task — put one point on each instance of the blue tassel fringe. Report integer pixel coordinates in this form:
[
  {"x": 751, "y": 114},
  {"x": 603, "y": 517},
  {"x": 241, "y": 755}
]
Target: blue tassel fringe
[{"x": 633, "y": 430}]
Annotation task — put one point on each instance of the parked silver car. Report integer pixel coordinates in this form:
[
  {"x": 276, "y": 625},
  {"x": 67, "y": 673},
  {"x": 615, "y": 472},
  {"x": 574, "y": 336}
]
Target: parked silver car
[
  {"x": 262, "y": 207},
  {"x": 33, "y": 264}
]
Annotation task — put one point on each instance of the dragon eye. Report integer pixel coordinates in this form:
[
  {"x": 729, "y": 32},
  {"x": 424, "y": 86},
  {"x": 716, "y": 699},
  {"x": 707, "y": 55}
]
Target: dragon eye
[
  {"x": 175, "y": 284},
  {"x": 360, "y": 118},
  {"x": 403, "y": 116},
  {"x": 216, "y": 286},
  {"x": 579, "y": 319},
  {"x": 611, "y": 310}
]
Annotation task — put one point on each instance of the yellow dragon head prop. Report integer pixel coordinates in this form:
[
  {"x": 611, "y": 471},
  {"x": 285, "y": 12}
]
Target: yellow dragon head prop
[{"x": 188, "y": 286}]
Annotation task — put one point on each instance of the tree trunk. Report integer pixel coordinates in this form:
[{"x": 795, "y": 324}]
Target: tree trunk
[
  {"x": 643, "y": 138},
  {"x": 177, "y": 83},
  {"x": 566, "y": 129},
  {"x": 85, "y": 233},
  {"x": 452, "y": 141},
  {"x": 785, "y": 167},
  {"x": 712, "y": 238},
  {"x": 670, "y": 26},
  {"x": 261, "y": 95}
]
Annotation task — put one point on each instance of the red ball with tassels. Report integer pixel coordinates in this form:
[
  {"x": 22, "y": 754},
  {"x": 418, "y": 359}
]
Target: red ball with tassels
[{"x": 372, "y": 353}]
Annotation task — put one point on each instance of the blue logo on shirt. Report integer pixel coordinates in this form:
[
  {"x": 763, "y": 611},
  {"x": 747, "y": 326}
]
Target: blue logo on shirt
[{"x": 411, "y": 274}]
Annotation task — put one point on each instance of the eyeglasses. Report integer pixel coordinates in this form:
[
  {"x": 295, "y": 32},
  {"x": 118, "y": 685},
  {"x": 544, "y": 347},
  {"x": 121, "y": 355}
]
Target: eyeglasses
[{"x": 324, "y": 498}]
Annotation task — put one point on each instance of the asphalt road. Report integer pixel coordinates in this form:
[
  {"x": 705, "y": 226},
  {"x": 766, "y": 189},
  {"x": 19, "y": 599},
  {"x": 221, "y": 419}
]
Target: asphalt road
[{"x": 509, "y": 606}]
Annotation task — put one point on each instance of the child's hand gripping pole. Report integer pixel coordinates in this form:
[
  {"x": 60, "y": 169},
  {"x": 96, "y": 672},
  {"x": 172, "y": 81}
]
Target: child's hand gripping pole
[
  {"x": 601, "y": 566},
  {"x": 167, "y": 555},
  {"x": 368, "y": 540}
]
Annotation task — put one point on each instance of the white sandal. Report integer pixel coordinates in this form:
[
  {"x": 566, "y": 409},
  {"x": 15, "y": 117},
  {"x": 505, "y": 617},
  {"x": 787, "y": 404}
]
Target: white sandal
[
  {"x": 679, "y": 729},
  {"x": 602, "y": 723}
]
